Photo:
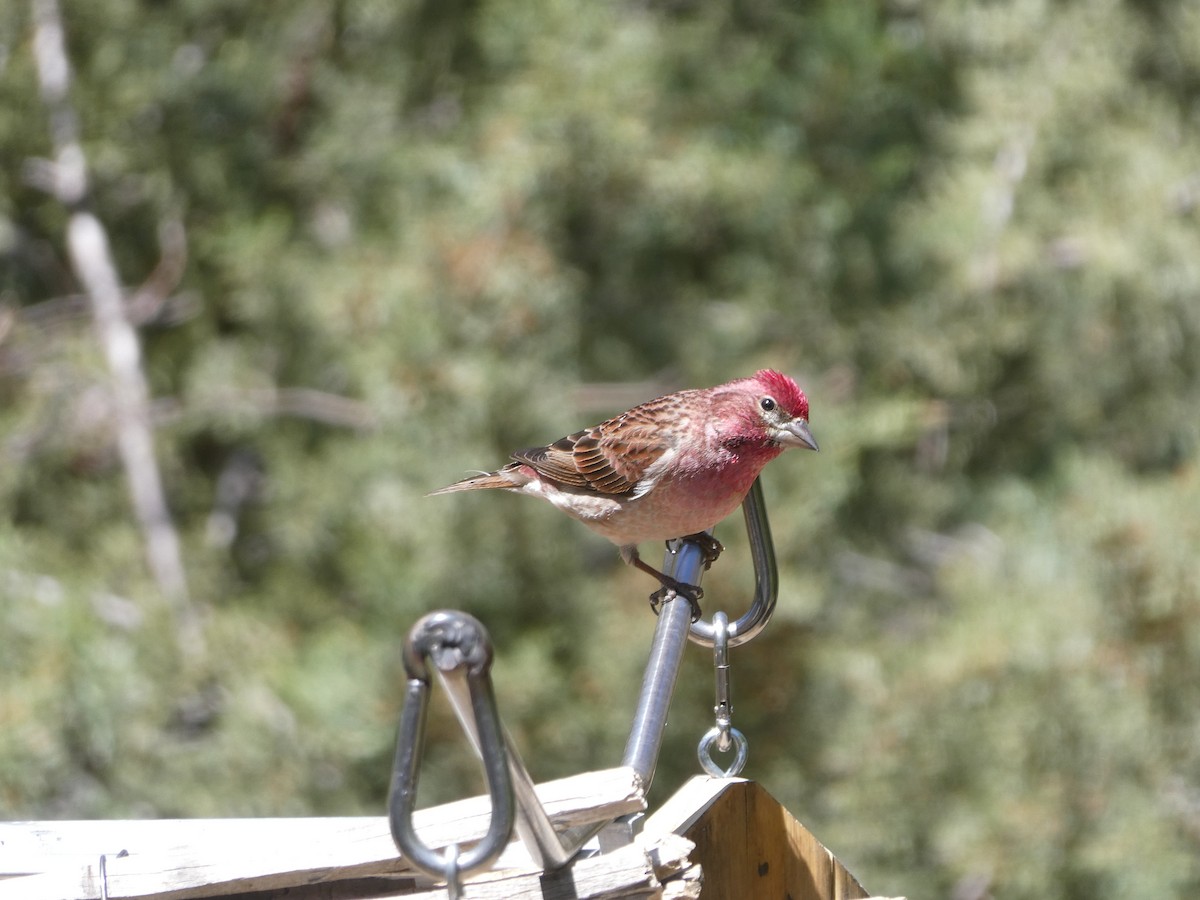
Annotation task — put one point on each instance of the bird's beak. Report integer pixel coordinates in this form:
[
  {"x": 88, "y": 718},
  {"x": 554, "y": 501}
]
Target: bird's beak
[{"x": 796, "y": 433}]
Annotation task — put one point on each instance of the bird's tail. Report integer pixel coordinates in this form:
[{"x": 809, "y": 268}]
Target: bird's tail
[{"x": 480, "y": 482}]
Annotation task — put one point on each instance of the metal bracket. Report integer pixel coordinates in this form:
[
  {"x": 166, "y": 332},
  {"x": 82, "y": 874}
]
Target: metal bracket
[{"x": 460, "y": 651}]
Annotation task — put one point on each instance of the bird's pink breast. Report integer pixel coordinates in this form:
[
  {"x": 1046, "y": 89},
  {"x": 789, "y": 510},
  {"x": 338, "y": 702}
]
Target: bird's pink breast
[{"x": 680, "y": 504}]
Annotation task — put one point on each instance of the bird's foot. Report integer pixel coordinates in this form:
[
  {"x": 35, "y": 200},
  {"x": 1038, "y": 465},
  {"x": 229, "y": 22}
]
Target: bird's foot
[
  {"x": 671, "y": 589},
  {"x": 709, "y": 546}
]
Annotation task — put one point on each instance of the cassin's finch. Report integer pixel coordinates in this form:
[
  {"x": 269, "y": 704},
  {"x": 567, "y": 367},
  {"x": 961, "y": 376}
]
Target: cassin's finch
[{"x": 671, "y": 467}]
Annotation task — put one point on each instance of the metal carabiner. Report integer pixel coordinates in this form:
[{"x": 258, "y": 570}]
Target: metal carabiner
[
  {"x": 722, "y": 737},
  {"x": 723, "y": 710},
  {"x": 458, "y": 647},
  {"x": 766, "y": 578}
]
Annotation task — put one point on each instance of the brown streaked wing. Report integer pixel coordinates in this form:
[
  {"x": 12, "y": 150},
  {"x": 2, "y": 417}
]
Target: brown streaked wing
[
  {"x": 631, "y": 443},
  {"x": 609, "y": 458}
]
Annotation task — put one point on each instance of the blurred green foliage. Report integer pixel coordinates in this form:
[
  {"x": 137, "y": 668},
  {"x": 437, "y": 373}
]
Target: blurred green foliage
[{"x": 417, "y": 232}]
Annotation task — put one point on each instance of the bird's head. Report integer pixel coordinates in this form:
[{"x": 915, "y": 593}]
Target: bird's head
[{"x": 780, "y": 410}]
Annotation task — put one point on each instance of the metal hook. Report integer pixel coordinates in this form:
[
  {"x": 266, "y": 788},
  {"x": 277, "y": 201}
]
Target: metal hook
[
  {"x": 766, "y": 578},
  {"x": 459, "y": 649}
]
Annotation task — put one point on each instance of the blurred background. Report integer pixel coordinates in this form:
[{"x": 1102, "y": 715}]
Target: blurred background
[{"x": 370, "y": 246}]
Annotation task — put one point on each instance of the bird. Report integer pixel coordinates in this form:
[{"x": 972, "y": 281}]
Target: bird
[{"x": 672, "y": 467}]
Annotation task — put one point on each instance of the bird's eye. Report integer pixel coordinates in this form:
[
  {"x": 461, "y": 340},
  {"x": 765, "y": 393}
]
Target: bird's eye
[{"x": 767, "y": 403}]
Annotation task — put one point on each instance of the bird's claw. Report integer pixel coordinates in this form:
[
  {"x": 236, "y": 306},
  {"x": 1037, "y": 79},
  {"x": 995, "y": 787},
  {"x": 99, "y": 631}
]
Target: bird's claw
[
  {"x": 692, "y": 593},
  {"x": 710, "y": 548}
]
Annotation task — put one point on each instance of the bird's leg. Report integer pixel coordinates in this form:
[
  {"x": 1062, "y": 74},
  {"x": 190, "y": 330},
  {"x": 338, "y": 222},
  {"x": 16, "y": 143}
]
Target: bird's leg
[
  {"x": 689, "y": 592},
  {"x": 709, "y": 546}
]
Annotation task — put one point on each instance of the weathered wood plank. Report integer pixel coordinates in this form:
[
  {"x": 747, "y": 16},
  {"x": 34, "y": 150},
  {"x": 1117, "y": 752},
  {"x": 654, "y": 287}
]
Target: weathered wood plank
[
  {"x": 183, "y": 859},
  {"x": 628, "y": 872}
]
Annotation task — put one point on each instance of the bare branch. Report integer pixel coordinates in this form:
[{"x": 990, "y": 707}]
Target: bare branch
[{"x": 92, "y": 261}]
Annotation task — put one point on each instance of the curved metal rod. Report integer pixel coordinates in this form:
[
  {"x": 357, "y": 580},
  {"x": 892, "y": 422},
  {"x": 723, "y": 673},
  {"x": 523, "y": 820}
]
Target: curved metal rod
[
  {"x": 458, "y": 647},
  {"x": 766, "y": 578}
]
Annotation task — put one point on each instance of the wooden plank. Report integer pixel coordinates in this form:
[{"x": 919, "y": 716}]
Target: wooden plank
[
  {"x": 629, "y": 872},
  {"x": 183, "y": 859},
  {"x": 748, "y": 845}
]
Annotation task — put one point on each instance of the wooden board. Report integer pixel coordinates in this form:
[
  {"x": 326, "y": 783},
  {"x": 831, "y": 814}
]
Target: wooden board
[
  {"x": 183, "y": 858},
  {"x": 748, "y": 845}
]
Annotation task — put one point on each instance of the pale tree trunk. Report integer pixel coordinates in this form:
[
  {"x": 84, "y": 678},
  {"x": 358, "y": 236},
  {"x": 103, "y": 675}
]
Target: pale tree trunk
[{"x": 92, "y": 261}]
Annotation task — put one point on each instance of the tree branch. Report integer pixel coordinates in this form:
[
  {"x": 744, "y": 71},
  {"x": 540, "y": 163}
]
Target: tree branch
[{"x": 91, "y": 259}]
